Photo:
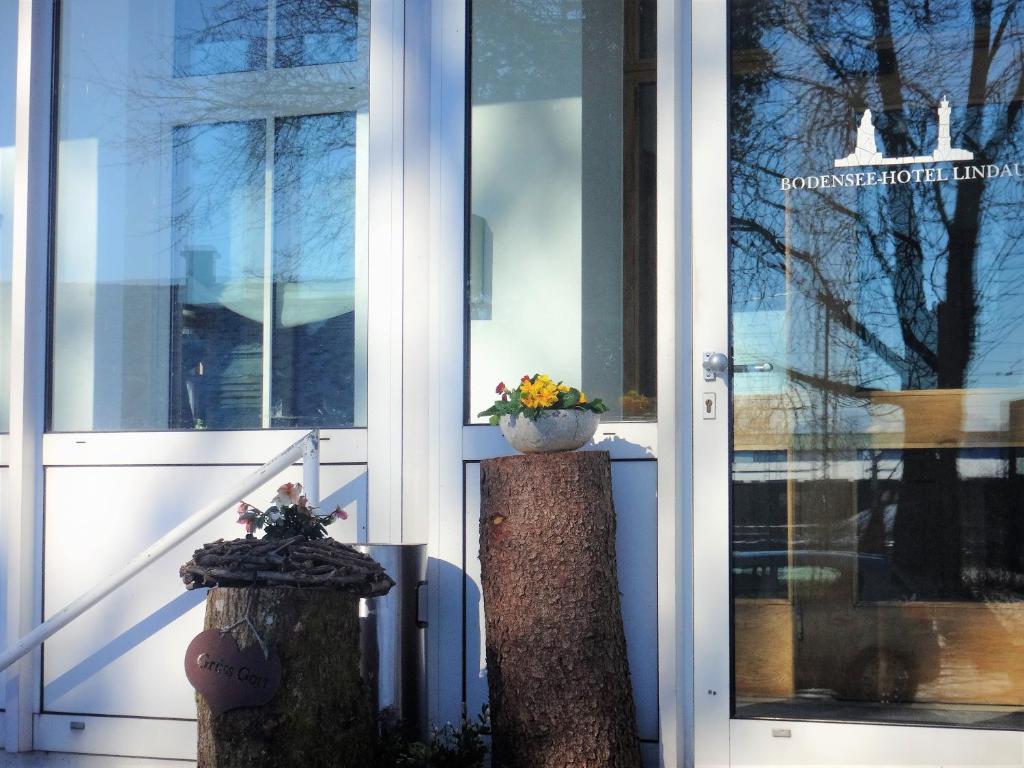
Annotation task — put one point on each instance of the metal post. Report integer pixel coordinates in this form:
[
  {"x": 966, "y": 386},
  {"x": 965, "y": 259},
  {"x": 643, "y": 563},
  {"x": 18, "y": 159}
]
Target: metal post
[
  {"x": 21, "y": 528},
  {"x": 311, "y": 467}
]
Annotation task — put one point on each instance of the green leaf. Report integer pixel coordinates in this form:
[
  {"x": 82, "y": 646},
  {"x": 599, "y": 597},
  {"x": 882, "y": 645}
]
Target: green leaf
[{"x": 569, "y": 399}]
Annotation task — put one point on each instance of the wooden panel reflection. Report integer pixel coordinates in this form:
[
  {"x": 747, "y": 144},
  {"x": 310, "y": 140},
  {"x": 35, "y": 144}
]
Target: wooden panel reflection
[
  {"x": 938, "y": 418},
  {"x": 966, "y": 653},
  {"x": 764, "y": 648}
]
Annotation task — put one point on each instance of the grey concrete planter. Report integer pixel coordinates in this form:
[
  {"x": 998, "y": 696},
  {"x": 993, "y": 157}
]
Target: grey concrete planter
[{"x": 552, "y": 431}]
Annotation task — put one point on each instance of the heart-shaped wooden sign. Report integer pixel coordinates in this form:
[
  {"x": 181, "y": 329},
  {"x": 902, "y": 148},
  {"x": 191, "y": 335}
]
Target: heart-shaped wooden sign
[{"x": 227, "y": 677}]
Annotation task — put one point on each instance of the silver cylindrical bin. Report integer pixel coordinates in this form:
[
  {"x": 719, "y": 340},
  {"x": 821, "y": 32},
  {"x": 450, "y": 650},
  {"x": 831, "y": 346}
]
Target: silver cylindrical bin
[{"x": 392, "y": 636}]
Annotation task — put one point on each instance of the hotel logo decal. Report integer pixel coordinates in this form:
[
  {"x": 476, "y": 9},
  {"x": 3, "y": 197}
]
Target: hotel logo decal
[{"x": 866, "y": 154}]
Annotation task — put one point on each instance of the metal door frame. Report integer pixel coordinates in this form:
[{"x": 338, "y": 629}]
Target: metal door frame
[{"x": 720, "y": 740}]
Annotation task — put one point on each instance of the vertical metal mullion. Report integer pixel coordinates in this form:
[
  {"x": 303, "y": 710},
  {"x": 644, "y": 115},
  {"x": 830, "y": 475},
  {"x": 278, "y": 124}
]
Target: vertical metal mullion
[
  {"x": 444, "y": 382},
  {"x": 268, "y": 276},
  {"x": 21, "y": 532},
  {"x": 267, "y": 357},
  {"x": 708, "y": 474},
  {"x": 676, "y": 309},
  {"x": 384, "y": 272}
]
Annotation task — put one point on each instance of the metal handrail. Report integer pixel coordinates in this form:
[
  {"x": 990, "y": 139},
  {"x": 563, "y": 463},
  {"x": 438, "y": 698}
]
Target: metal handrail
[{"x": 307, "y": 447}]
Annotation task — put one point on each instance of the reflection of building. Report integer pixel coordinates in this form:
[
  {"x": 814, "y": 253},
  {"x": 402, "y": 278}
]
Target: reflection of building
[{"x": 866, "y": 152}]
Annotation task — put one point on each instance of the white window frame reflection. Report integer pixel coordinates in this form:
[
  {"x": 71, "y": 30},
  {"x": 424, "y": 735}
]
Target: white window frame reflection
[
  {"x": 287, "y": 84},
  {"x": 266, "y": 95}
]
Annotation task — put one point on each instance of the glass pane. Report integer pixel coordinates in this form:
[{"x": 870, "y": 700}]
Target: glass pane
[
  {"x": 209, "y": 252},
  {"x": 561, "y": 254},
  {"x": 216, "y": 360},
  {"x": 8, "y": 60},
  {"x": 877, "y": 275},
  {"x": 317, "y": 32},
  {"x": 314, "y": 270},
  {"x": 216, "y": 36}
]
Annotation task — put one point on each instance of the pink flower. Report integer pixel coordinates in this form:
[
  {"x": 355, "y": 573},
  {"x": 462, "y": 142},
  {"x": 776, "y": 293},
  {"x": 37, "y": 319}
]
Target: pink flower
[
  {"x": 340, "y": 513},
  {"x": 246, "y": 512}
]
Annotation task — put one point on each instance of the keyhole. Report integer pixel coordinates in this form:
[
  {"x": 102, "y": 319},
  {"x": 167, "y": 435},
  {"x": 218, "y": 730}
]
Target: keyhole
[{"x": 707, "y": 405}]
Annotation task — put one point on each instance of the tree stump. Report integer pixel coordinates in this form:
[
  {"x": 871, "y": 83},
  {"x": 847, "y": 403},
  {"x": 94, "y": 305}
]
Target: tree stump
[
  {"x": 557, "y": 672},
  {"x": 321, "y": 714}
]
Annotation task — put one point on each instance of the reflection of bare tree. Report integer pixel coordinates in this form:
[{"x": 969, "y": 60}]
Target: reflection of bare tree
[
  {"x": 217, "y": 36},
  {"x": 235, "y": 121},
  {"x": 920, "y": 284},
  {"x": 212, "y": 68},
  {"x": 518, "y": 44}
]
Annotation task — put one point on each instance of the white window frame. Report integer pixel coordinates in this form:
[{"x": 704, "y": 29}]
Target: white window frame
[
  {"x": 23, "y": 512},
  {"x": 28, "y": 449}
]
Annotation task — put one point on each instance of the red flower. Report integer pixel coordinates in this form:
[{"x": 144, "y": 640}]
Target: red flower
[
  {"x": 525, "y": 378},
  {"x": 500, "y": 388}
]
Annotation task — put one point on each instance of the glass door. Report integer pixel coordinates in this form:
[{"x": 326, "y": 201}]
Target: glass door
[
  {"x": 868, "y": 426},
  {"x": 210, "y": 303}
]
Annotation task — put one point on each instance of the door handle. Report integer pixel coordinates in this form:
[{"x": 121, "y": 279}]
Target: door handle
[
  {"x": 715, "y": 364},
  {"x": 753, "y": 368}
]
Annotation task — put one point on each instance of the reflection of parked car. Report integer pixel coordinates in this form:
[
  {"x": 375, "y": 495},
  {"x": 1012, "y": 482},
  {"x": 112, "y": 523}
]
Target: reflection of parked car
[{"x": 855, "y": 636}]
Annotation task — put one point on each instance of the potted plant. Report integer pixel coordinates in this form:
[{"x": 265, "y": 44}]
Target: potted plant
[
  {"x": 541, "y": 415},
  {"x": 280, "y": 645}
]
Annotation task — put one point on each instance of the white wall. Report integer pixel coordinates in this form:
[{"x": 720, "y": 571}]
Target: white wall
[
  {"x": 546, "y": 179},
  {"x": 526, "y": 186}
]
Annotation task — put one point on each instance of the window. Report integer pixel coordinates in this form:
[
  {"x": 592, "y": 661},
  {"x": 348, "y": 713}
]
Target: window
[
  {"x": 562, "y": 224},
  {"x": 210, "y": 251}
]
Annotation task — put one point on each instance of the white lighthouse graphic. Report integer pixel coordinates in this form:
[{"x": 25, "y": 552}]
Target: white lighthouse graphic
[{"x": 866, "y": 151}]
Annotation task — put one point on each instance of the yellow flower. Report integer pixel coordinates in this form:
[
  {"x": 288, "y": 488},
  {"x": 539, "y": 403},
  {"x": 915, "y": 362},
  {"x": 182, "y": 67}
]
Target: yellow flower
[
  {"x": 539, "y": 399},
  {"x": 540, "y": 392},
  {"x": 563, "y": 388},
  {"x": 583, "y": 398}
]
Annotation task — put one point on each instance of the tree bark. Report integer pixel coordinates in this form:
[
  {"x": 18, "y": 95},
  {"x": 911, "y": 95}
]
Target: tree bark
[
  {"x": 557, "y": 672},
  {"x": 321, "y": 714}
]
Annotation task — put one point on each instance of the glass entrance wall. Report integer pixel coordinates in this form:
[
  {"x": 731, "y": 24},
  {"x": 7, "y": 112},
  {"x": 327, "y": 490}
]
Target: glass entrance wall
[
  {"x": 210, "y": 245},
  {"x": 876, "y": 279}
]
